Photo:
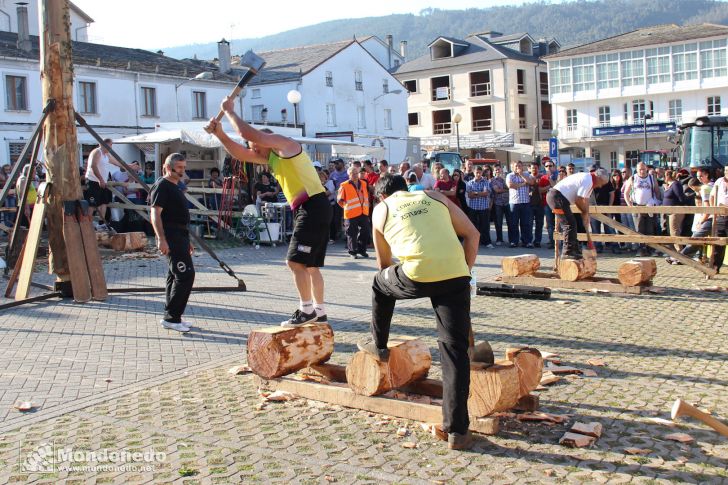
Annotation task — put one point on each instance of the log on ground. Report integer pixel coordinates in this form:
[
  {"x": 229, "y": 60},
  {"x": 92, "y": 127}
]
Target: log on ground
[
  {"x": 525, "y": 264},
  {"x": 128, "y": 241},
  {"x": 493, "y": 389},
  {"x": 278, "y": 351},
  {"x": 409, "y": 361},
  {"x": 577, "y": 269},
  {"x": 637, "y": 271},
  {"x": 529, "y": 363}
]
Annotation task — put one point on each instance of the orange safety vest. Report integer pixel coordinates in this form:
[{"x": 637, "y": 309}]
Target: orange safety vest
[{"x": 355, "y": 203}]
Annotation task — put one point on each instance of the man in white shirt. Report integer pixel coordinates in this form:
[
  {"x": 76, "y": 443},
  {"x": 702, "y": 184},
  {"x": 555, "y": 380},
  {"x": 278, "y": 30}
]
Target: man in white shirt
[
  {"x": 574, "y": 189},
  {"x": 426, "y": 179},
  {"x": 719, "y": 198},
  {"x": 98, "y": 168}
]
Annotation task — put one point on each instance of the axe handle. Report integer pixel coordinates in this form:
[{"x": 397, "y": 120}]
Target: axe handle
[
  {"x": 681, "y": 408},
  {"x": 245, "y": 79}
]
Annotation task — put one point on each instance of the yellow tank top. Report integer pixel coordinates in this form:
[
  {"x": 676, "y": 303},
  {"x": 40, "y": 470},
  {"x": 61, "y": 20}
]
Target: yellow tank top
[
  {"x": 299, "y": 180},
  {"x": 427, "y": 247}
]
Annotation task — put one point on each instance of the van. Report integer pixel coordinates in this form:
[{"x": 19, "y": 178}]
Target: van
[{"x": 449, "y": 160}]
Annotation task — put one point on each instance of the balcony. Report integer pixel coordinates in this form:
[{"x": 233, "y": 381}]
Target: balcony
[
  {"x": 482, "y": 125},
  {"x": 547, "y": 125},
  {"x": 480, "y": 89},
  {"x": 442, "y": 128}
]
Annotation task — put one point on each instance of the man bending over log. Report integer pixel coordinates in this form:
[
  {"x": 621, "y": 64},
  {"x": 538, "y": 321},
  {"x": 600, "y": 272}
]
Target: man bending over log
[
  {"x": 303, "y": 190},
  {"x": 432, "y": 263},
  {"x": 574, "y": 189}
]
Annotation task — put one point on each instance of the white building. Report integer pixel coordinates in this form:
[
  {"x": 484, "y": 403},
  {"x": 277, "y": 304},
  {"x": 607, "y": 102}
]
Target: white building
[
  {"x": 80, "y": 21},
  {"x": 603, "y": 92},
  {"x": 345, "y": 94},
  {"x": 495, "y": 84}
]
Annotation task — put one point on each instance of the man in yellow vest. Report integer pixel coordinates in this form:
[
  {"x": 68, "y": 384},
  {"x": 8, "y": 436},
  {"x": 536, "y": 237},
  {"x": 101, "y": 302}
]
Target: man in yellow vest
[
  {"x": 305, "y": 194},
  {"x": 353, "y": 197},
  {"x": 421, "y": 230}
]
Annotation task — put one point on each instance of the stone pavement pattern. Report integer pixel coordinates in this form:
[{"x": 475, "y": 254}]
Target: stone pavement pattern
[{"x": 173, "y": 393}]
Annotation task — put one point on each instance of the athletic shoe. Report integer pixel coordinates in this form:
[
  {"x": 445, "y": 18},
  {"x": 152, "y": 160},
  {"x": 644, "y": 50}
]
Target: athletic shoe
[
  {"x": 370, "y": 348},
  {"x": 513, "y": 245},
  {"x": 179, "y": 327},
  {"x": 499, "y": 243},
  {"x": 353, "y": 255},
  {"x": 331, "y": 241},
  {"x": 529, "y": 246},
  {"x": 489, "y": 246},
  {"x": 457, "y": 441},
  {"x": 364, "y": 254},
  {"x": 322, "y": 319},
  {"x": 299, "y": 318}
]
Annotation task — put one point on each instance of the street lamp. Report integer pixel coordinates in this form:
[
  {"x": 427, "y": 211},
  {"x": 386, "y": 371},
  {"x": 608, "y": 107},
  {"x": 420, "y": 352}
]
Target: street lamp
[
  {"x": 374, "y": 102},
  {"x": 457, "y": 119},
  {"x": 644, "y": 127},
  {"x": 201, "y": 76},
  {"x": 294, "y": 97}
]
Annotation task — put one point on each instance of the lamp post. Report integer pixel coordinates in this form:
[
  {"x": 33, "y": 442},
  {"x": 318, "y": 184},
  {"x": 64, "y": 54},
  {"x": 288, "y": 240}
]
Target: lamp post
[
  {"x": 457, "y": 119},
  {"x": 374, "y": 102},
  {"x": 644, "y": 127},
  {"x": 201, "y": 76},
  {"x": 294, "y": 97}
]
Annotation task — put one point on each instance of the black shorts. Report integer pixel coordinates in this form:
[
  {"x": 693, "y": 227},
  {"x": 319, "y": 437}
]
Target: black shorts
[
  {"x": 311, "y": 232},
  {"x": 96, "y": 196}
]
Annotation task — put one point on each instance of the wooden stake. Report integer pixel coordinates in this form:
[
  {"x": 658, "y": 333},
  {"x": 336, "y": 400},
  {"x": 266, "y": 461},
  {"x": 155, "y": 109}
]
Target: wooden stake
[{"x": 32, "y": 241}]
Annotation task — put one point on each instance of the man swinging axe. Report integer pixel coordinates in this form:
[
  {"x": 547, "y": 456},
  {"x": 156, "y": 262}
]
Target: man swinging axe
[{"x": 574, "y": 189}]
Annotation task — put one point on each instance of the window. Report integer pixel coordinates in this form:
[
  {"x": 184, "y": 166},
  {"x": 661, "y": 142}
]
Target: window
[
  {"x": 658, "y": 65},
  {"x": 639, "y": 110},
  {"x": 675, "y": 110},
  {"x": 560, "y": 77},
  {"x": 87, "y": 97},
  {"x": 605, "y": 116},
  {"x": 482, "y": 117},
  {"x": 521, "y": 80},
  {"x": 480, "y": 83},
  {"x": 330, "y": 114},
  {"x": 685, "y": 62},
  {"x": 15, "y": 150},
  {"x": 387, "y": 119},
  {"x": 440, "y": 88},
  {"x": 714, "y": 106},
  {"x": 613, "y": 159},
  {"x": 596, "y": 155},
  {"x": 544, "y": 83},
  {"x": 626, "y": 113},
  {"x": 255, "y": 93},
  {"x": 526, "y": 141},
  {"x": 413, "y": 119},
  {"x": 713, "y": 59},
  {"x": 149, "y": 102},
  {"x": 546, "y": 115},
  {"x": 583, "y": 74},
  {"x": 199, "y": 110},
  {"x": 358, "y": 84},
  {"x": 522, "y": 123},
  {"x": 411, "y": 86},
  {"x": 571, "y": 119},
  {"x": 329, "y": 79},
  {"x": 633, "y": 68},
  {"x": 257, "y": 110},
  {"x": 607, "y": 71},
  {"x": 385, "y": 86},
  {"x": 441, "y": 122},
  {"x": 361, "y": 119},
  {"x": 16, "y": 91}
]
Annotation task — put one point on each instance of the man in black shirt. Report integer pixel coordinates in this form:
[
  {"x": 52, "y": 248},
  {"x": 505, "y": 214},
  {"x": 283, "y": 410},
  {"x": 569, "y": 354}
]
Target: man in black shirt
[
  {"x": 170, "y": 219},
  {"x": 603, "y": 195}
]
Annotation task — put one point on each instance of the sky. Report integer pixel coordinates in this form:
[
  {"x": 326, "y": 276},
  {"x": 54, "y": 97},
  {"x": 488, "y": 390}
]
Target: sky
[{"x": 151, "y": 24}]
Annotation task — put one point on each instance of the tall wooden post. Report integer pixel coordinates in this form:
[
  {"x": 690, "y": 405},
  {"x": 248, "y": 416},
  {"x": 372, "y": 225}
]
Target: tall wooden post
[{"x": 59, "y": 132}]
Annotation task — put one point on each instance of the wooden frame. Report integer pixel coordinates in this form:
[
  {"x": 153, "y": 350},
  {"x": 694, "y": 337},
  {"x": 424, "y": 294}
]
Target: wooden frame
[{"x": 552, "y": 280}]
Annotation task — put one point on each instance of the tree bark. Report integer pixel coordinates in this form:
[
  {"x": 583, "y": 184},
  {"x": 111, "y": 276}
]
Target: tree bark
[
  {"x": 577, "y": 269},
  {"x": 525, "y": 264},
  {"x": 529, "y": 363},
  {"x": 278, "y": 351},
  {"x": 637, "y": 271},
  {"x": 409, "y": 361},
  {"x": 493, "y": 389}
]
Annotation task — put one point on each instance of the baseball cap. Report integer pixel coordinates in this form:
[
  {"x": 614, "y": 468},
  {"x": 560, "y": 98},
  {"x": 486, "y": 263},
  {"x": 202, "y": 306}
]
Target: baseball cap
[{"x": 317, "y": 164}]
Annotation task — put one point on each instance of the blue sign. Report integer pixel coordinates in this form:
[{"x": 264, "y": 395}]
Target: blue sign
[
  {"x": 632, "y": 129},
  {"x": 553, "y": 148}
]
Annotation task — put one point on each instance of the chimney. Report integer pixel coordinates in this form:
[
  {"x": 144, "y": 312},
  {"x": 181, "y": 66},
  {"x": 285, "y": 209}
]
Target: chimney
[
  {"x": 403, "y": 50},
  {"x": 160, "y": 52},
  {"x": 389, "y": 50},
  {"x": 223, "y": 55},
  {"x": 23, "y": 30}
]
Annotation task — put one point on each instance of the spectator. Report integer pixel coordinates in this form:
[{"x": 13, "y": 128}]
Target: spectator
[
  {"x": 412, "y": 183},
  {"x": 519, "y": 184},
  {"x": 353, "y": 197},
  {"x": 562, "y": 174},
  {"x": 719, "y": 198},
  {"x": 539, "y": 186},
  {"x": 436, "y": 170},
  {"x": 604, "y": 195},
  {"x": 425, "y": 179},
  {"x": 11, "y": 200},
  {"x": 338, "y": 175},
  {"x": 641, "y": 190},
  {"x": 618, "y": 200},
  {"x": 391, "y": 170},
  {"x": 674, "y": 196},
  {"x": 570, "y": 169},
  {"x": 478, "y": 191},
  {"x": 468, "y": 173},
  {"x": 460, "y": 190},
  {"x": 265, "y": 190},
  {"x": 26, "y": 211},
  {"x": 369, "y": 174},
  {"x": 330, "y": 192},
  {"x": 447, "y": 186},
  {"x": 404, "y": 167},
  {"x": 552, "y": 175},
  {"x": 214, "y": 182},
  {"x": 702, "y": 224},
  {"x": 383, "y": 168},
  {"x": 502, "y": 209}
]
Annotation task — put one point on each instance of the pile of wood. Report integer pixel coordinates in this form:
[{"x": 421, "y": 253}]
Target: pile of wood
[{"x": 125, "y": 241}]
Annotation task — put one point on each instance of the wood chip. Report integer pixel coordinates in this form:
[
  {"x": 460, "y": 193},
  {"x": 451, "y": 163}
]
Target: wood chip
[
  {"x": 329, "y": 478},
  {"x": 589, "y": 373},
  {"x": 575, "y": 440},
  {"x": 593, "y": 429},
  {"x": 680, "y": 437},
  {"x": 107, "y": 380},
  {"x": 563, "y": 369},
  {"x": 662, "y": 421},
  {"x": 549, "y": 355},
  {"x": 23, "y": 406},
  {"x": 637, "y": 451},
  {"x": 538, "y": 416},
  {"x": 682, "y": 459},
  {"x": 409, "y": 444},
  {"x": 402, "y": 432},
  {"x": 562, "y": 302},
  {"x": 261, "y": 406},
  {"x": 549, "y": 378},
  {"x": 279, "y": 396},
  {"x": 597, "y": 362},
  {"x": 239, "y": 369},
  {"x": 549, "y": 472},
  {"x": 712, "y": 289},
  {"x": 656, "y": 291}
]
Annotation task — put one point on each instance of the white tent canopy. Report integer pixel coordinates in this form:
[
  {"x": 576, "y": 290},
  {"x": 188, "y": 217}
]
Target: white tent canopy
[{"x": 519, "y": 148}]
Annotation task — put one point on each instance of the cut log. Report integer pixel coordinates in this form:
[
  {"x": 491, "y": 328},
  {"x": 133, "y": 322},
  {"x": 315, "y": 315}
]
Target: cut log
[
  {"x": 637, "y": 271},
  {"x": 593, "y": 429},
  {"x": 525, "y": 264},
  {"x": 493, "y": 389},
  {"x": 575, "y": 440},
  {"x": 128, "y": 241},
  {"x": 278, "y": 351},
  {"x": 527, "y": 403},
  {"x": 577, "y": 269},
  {"x": 409, "y": 361},
  {"x": 529, "y": 363}
]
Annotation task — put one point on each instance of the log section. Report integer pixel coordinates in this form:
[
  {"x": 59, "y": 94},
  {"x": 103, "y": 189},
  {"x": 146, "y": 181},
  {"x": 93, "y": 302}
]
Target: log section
[
  {"x": 493, "y": 389},
  {"x": 577, "y": 269},
  {"x": 637, "y": 271},
  {"x": 525, "y": 264},
  {"x": 277, "y": 351},
  {"x": 529, "y": 363}
]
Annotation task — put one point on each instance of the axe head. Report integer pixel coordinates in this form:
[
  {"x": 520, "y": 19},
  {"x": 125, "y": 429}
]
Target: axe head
[{"x": 252, "y": 61}]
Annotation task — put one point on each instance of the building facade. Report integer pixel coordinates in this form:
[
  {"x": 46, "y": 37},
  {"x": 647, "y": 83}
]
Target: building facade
[
  {"x": 607, "y": 94},
  {"x": 486, "y": 94}
]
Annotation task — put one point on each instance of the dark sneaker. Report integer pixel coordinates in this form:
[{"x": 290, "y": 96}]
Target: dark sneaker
[
  {"x": 530, "y": 246},
  {"x": 457, "y": 441},
  {"x": 550, "y": 245},
  {"x": 364, "y": 254},
  {"x": 370, "y": 348},
  {"x": 299, "y": 318},
  {"x": 353, "y": 255},
  {"x": 537, "y": 244},
  {"x": 513, "y": 245},
  {"x": 575, "y": 256},
  {"x": 322, "y": 319}
]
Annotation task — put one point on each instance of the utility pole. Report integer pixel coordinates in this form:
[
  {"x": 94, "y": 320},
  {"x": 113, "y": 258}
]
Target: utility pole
[{"x": 59, "y": 132}]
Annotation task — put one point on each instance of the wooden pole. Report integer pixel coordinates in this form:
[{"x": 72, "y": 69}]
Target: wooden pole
[{"x": 61, "y": 147}]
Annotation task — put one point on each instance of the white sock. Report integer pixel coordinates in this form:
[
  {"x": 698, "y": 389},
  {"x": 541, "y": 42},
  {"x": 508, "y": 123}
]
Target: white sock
[
  {"x": 320, "y": 309},
  {"x": 306, "y": 306}
]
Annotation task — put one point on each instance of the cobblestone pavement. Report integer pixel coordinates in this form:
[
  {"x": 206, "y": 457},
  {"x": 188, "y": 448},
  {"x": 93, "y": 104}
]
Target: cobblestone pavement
[{"x": 106, "y": 377}]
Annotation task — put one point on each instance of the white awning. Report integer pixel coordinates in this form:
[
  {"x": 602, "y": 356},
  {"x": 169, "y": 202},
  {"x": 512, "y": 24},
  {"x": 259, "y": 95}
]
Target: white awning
[
  {"x": 523, "y": 150},
  {"x": 356, "y": 152}
]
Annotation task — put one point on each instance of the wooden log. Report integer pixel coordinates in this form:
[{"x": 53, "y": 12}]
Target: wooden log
[
  {"x": 529, "y": 363},
  {"x": 277, "y": 351},
  {"x": 493, "y": 389},
  {"x": 128, "y": 241},
  {"x": 527, "y": 403},
  {"x": 637, "y": 271},
  {"x": 577, "y": 269},
  {"x": 525, "y": 264},
  {"x": 409, "y": 361}
]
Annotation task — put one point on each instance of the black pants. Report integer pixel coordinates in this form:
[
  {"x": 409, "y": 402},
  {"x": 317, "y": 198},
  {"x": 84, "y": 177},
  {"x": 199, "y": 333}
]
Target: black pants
[
  {"x": 645, "y": 224},
  {"x": 481, "y": 221},
  {"x": 451, "y": 301},
  {"x": 180, "y": 275},
  {"x": 357, "y": 234},
  {"x": 561, "y": 206},
  {"x": 335, "y": 228}
]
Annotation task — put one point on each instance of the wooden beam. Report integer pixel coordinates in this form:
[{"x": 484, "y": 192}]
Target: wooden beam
[
  {"x": 629, "y": 238},
  {"x": 32, "y": 242},
  {"x": 138, "y": 207},
  {"x": 655, "y": 209},
  {"x": 552, "y": 280}
]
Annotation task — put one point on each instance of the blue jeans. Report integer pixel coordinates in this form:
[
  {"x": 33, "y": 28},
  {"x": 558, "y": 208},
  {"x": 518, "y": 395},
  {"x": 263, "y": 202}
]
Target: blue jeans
[
  {"x": 538, "y": 214},
  {"x": 500, "y": 212},
  {"x": 480, "y": 219},
  {"x": 521, "y": 221},
  {"x": 550, "y": 222},
  {"x": 596, "y": 228},
  {"x": 9, "y": 217}
]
